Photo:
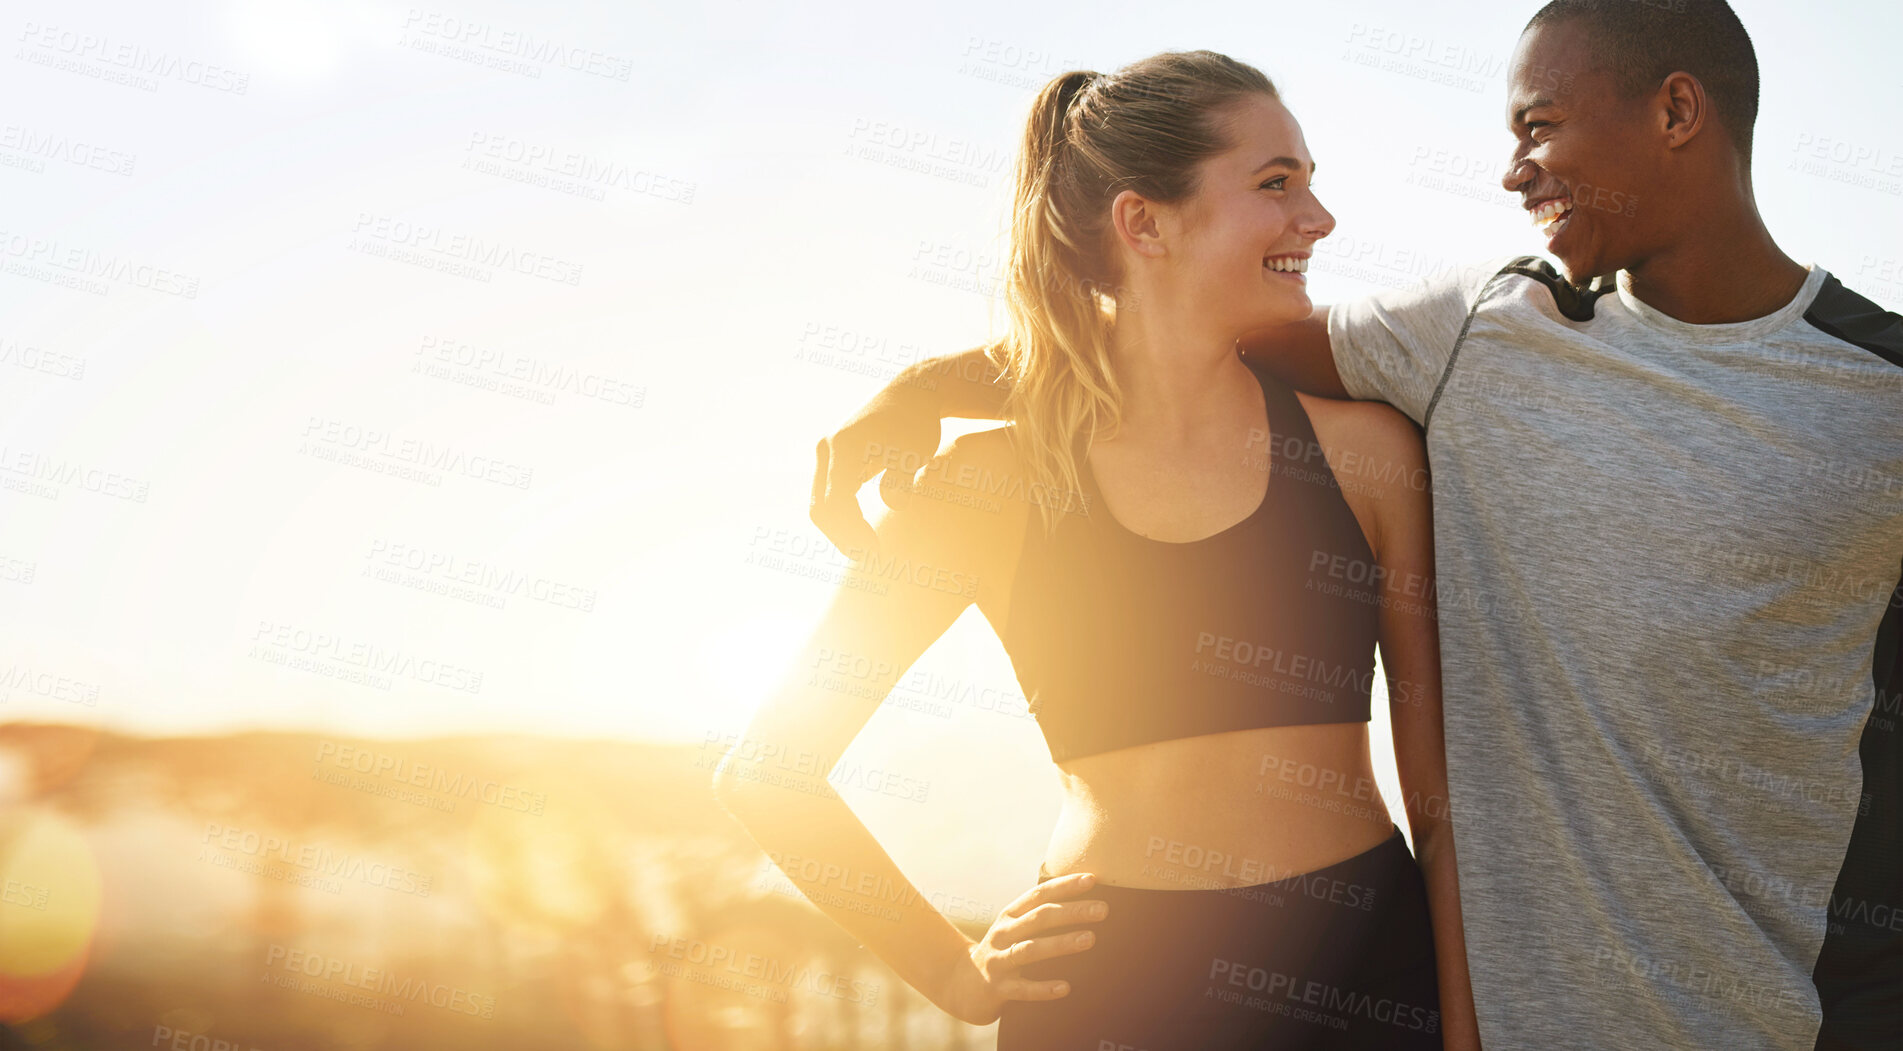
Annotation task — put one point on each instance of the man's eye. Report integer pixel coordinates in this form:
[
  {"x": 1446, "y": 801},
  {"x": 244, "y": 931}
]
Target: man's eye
[{"x": 1280, "y": 182}]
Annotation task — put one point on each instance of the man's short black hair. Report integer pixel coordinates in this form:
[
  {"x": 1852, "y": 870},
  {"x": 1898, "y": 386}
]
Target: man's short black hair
[{"x": 1641, "y": 41}]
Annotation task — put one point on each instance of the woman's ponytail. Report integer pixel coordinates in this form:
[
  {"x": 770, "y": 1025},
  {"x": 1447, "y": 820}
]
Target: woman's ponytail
[{"x": 1146, "y": 128}]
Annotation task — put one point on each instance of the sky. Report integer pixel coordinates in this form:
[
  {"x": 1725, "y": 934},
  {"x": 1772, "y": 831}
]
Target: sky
[{"x": 409, "y": 370}]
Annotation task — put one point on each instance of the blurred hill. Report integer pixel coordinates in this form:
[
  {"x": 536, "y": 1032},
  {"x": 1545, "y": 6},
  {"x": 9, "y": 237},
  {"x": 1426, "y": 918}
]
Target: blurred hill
[{"x": 280, "y": 892}]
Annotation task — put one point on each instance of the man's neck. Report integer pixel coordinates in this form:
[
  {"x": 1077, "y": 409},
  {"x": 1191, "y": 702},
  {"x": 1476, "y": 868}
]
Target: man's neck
[{"x": 1733, "y": 271}]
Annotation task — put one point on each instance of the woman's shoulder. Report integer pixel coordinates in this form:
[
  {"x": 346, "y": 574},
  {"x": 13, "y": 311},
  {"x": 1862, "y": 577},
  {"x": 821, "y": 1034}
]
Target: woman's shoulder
[{"x": 971, "y": 504}]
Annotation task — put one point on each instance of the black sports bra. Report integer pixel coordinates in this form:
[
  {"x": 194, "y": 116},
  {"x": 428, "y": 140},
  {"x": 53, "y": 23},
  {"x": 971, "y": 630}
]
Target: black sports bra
[{"x": 1121, "y": 640}]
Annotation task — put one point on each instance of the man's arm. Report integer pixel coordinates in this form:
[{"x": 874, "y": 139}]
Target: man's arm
[
  {"x": 966, "y": 384},
  {"x": 899, "y": 427},
  {"x": 1299, "y": 355}
]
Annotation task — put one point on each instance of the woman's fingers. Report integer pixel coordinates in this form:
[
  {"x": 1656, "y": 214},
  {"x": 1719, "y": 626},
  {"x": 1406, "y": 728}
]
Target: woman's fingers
[
  {"x": 834, "y": 506},
  {"x": 1050, "y": 916},
  {"x": 1027, "y": 930},
  {"x": 1055, "y": 889},
  {"x": 1030, "y": 950},
  {"x": 1026, "y": 989}
]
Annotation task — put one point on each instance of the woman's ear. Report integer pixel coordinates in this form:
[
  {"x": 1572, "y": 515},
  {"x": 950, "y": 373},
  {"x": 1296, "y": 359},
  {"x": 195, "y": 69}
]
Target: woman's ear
[{"x": 1136, "y": 220}]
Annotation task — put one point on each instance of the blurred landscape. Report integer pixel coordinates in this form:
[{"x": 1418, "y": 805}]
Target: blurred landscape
[
  {"x": 463, "y": 452},
  {"x": 288, "y": 891}
]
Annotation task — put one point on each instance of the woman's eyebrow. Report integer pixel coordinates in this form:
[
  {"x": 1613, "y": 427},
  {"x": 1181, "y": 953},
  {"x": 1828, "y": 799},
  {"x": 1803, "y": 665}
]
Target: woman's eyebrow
[{"x": 1286, "y": 162}]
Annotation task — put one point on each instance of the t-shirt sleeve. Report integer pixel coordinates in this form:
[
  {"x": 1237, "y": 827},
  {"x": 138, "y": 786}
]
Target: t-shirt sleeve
[{"x": 1393, "y": 346}]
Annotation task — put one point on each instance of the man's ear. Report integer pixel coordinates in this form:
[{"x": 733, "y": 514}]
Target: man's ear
[
  {"x": 1135, "y": 219},
  {"x": 1683, "y": 108}
]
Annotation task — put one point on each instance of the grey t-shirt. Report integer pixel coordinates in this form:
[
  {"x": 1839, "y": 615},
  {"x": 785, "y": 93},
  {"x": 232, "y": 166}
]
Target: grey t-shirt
[{"x": 1664, "y": 552}]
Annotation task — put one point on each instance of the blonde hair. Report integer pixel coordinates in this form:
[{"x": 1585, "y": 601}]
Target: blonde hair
[{"x": 1090, "y": 136}]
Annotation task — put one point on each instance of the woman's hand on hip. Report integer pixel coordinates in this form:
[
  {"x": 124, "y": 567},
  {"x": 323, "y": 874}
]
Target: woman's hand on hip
[{"x": 978, "y": 988}]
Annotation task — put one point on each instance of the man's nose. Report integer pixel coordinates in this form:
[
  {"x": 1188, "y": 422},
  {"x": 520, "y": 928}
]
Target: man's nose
[{"x": 1517, "y": 174}]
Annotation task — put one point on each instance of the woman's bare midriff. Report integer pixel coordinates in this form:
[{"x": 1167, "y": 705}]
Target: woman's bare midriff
[{"x": 1220, "y": 810}]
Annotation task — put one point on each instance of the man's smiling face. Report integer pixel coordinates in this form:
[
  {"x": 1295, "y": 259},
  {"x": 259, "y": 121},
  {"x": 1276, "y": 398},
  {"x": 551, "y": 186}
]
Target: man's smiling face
[{"x": 1586, "y": 159}]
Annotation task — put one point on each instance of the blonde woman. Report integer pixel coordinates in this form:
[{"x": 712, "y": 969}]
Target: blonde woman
[{"x": 1190, "y": 597}]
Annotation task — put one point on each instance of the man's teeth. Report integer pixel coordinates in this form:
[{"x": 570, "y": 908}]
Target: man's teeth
[
  {"x": 1288, "y": 264},
  {"x": 1545, "y": 214}
]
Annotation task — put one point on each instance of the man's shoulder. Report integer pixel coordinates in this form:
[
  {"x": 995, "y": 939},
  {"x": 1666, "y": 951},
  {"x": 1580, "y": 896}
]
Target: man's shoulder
[
  {"x": 1470, "y": 278},
  {"x": 1537, "y": 280},
  {"x": 1443, "y": 290},
  {"x": 1853, "y": 318}
]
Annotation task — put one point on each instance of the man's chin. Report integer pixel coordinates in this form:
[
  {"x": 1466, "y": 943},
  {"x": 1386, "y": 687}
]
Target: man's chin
[{"x": 1581, "y": 269}]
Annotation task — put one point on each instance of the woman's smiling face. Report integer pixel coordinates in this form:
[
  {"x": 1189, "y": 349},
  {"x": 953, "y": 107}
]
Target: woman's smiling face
[{"x": 1241, "y": 243}]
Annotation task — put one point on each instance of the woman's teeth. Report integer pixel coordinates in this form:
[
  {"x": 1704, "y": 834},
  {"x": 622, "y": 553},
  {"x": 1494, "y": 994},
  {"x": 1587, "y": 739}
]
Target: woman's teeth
[
  {"x": 1287, "y": 264},
  {"x": 1546, "y": 214}
]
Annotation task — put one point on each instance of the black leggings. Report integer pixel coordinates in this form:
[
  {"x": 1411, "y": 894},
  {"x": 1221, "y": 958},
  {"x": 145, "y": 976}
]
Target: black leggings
[{"x": 1341, "y": 957}]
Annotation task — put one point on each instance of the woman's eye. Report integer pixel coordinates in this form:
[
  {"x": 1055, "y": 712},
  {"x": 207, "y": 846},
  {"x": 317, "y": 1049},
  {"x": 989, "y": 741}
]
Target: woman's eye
[{"x": 1280, "y": 182}]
